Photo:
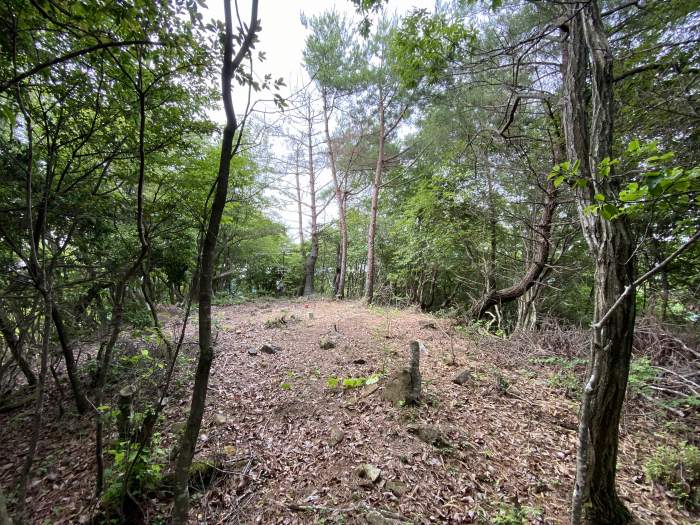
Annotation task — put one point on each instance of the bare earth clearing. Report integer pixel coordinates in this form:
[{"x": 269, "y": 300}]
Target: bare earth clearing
[{"x": 289, "y": 446}]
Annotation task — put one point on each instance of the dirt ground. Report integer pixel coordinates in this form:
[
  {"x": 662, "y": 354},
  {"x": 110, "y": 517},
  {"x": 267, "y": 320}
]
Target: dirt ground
[{"x": 290, "y": 448}]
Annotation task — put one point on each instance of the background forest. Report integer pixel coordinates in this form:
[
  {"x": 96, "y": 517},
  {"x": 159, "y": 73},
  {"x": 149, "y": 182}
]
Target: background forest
[{"x": 526, "y": 172}]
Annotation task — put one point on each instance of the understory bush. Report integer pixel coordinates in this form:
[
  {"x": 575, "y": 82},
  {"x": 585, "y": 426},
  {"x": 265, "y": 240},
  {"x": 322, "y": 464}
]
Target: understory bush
[{"x": 677, "y": 469}]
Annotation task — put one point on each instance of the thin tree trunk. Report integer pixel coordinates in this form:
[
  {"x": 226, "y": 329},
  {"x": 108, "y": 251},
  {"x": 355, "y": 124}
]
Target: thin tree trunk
[
  {"x": 312, "y": 257},
  {"x": 493, "y": 229},
  {"x": 299, "y": 212},
  {"x": 206, "y": 352},
  {"x": 81, "y": 402},
  {"x": 38, "y": 409},
  {"x": 14, "y": 343},
  {"x": 376, "y": 184},
  {"x": 595, "y": 499},
  {"x": 339, "y": 288}
]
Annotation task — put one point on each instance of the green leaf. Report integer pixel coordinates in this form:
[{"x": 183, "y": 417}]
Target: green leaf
[
  {"x": 608, "y": 211},
  {"x": 599, "y": 197}
]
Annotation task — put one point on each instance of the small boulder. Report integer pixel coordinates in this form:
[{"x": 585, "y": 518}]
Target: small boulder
[
  {"x": 464, "y": 377},
  {"x": 337, "y": 435},
  {"x": 368, "y": 474},
  {"x": 327, "y": 343},
  {"x": 430, "y": 435},
  {"x": 252, "y": 351},
  {"x": 397, "y": 488},
  {"x": 398, "y": 388},
  {"x": 220, "y": 419},
  {"x": 269, "y": 349}
]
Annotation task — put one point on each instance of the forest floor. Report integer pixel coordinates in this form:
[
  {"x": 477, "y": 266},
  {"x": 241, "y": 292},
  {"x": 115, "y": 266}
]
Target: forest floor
[{"x": 291, "y": 448}]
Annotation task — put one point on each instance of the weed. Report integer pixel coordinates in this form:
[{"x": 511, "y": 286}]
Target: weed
[
  {"x": 146, "y": 471},
  {"x": 514, "y": 514},
  {"x": 677, "y": 469},
  {"x": 352, "y": 382},
  {"x": 641, "y": 374}
]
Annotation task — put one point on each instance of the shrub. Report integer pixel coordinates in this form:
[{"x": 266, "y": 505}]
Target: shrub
[
  {"x": 641, "y": 374},
  {"x": 677, "y": 469}
]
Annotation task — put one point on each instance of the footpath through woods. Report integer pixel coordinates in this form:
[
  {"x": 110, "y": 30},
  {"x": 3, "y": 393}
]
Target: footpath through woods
[{"x": 299, "y": 431}]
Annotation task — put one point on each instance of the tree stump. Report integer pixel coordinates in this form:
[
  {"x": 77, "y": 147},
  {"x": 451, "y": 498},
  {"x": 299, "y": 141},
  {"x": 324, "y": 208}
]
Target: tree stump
[{"x": 125, "y": 403}]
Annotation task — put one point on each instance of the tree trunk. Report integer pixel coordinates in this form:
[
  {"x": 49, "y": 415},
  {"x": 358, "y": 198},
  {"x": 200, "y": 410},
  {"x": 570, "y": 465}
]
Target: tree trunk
[
  {"x": 299, "y": 212},
  {"x": 371, "y": 235},
  {"x": 493, "y": 229},
  {"x": 14, "y": 343},
  {"x": 81, "y": 401},
  {"x": 339, "y": 288},
  {"x": 206, "y": 273},
  {"x": 543, "y": 232},
  {"x": 595, "y": 500},
  {"x": 312, "y": 257}
]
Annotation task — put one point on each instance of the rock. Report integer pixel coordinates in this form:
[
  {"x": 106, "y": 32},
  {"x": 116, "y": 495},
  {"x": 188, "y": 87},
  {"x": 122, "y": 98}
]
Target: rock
[
  {"x": 337, "y": 435},
  {"x": 368, "y": 473},
  {"x": 326, "y": 343},
  {"x": 404, "y": 387},
  {"x": 464, "y": 377},
  {"x": 430, "y": 435},
  {"x": 429, "y": 325},
  {"x": 252, "y": 351},
  {"x": 397, "y": 488},
  {"x": 269, "y": 349},
  {"x": 311, "y": 315},
  {"x": 397, "y": 388},
  {"x": 220, "y": 419},
  {"x": 359, "y": 362}
]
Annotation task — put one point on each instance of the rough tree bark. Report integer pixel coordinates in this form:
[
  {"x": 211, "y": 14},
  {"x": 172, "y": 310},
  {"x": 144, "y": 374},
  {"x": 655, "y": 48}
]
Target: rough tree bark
[
  {"x": 206, "y": 273},
  {"x": 376, "y": 185},
  {"x": 588, "y": 134}
]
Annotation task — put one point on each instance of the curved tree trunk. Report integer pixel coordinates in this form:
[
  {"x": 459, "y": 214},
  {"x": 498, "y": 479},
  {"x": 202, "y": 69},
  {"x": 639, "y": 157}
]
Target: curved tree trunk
[
  {"x": 589, "y": 141},
  {"x": 543, "y": 230}
]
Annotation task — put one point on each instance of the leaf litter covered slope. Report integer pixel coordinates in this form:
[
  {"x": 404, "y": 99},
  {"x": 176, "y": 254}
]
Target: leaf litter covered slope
[
  {"x": 512, "y": 438},
  {"x": 290, "y": 449}
]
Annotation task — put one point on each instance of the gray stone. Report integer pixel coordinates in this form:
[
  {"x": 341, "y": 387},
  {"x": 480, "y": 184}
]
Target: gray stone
[
  {"x": 430, "y": 435},
  {"x": 464, "y": 377},
  {"x": 269, "y": 349},
  {"x": 397, "y": 488},
  {"x": 327, "y": 343},
  {"x": 369, "y": 473},
  {"x": 337, "y": 435}
]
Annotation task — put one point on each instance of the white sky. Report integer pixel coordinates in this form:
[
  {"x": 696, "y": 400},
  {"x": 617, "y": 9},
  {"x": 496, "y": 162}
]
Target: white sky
[{"x": 282, "y": 39}]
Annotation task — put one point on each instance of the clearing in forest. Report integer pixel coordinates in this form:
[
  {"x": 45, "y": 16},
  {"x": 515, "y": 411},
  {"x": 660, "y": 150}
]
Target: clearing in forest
[{"x": 303, "y": 434}]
